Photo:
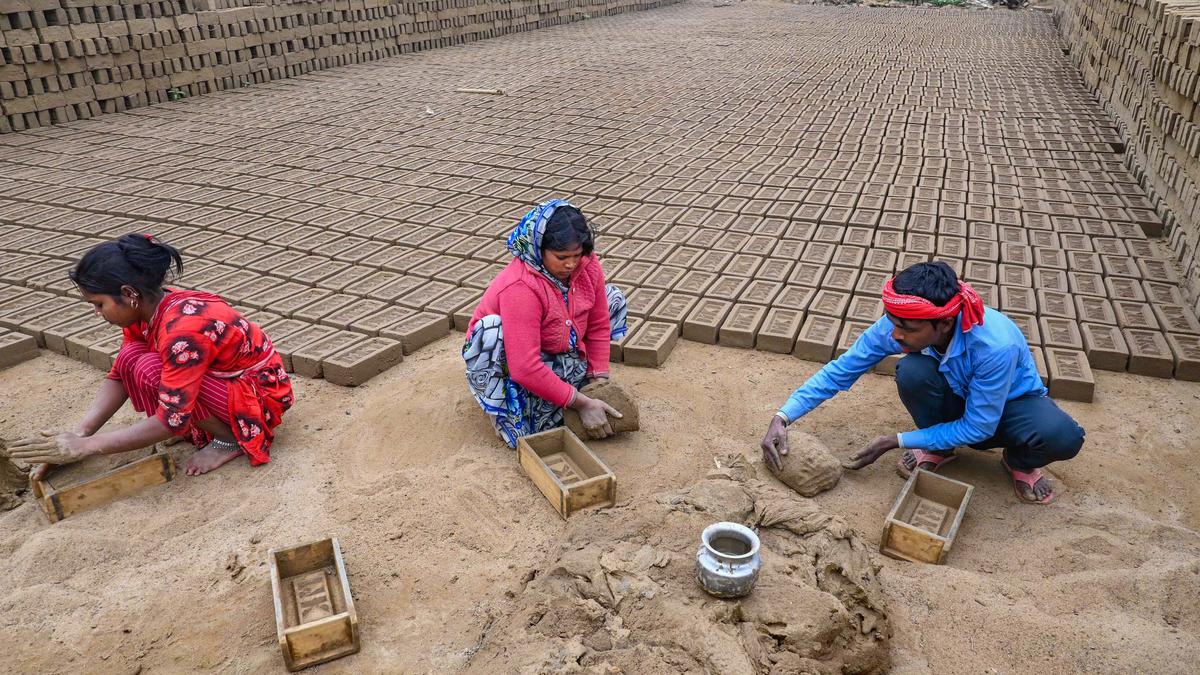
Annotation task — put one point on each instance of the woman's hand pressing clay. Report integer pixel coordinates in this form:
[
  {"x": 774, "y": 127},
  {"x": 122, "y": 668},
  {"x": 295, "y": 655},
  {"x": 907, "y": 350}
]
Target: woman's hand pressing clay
[
  {"x": 48, "y": 447},
  {"x": 593, "y": 413}
]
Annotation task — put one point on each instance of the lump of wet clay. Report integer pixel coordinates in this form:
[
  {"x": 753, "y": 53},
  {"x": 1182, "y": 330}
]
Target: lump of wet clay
[
  {"x": 13, "y": 481},
  {"x": 808, "y": 468},
  {"x": 612, "y": 394}
]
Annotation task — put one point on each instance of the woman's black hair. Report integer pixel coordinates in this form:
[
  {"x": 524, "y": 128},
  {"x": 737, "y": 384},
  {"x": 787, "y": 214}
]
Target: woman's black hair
[
  {"x": 566, "y": 228},
  {"x": 934, "y": 281},
  {"x": 137, "y": 260}
]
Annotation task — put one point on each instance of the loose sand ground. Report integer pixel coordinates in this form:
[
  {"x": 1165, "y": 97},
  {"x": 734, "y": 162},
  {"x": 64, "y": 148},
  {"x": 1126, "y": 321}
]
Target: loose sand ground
[{"x": 439, "y": 527}]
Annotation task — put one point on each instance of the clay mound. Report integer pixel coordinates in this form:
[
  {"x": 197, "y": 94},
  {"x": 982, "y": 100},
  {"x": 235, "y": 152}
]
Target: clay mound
[
  {"x": 13, "y": 481},
  {"x": 808, "y": 468},
  {"x": 612, "y": 394},
  {"x": 620, "y": 594}
]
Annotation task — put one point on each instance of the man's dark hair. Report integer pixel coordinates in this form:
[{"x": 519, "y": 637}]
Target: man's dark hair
[
  {"x": 566, "y": 228},
  {"x": 136, "y": 260},
  {"x": 934, "y": 281}
]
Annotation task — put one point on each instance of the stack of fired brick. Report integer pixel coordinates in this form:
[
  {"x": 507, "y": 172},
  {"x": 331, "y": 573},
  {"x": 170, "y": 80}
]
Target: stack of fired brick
[
  {"x": 1143, "y": 57},
  {"x": 62, "y": 60}
]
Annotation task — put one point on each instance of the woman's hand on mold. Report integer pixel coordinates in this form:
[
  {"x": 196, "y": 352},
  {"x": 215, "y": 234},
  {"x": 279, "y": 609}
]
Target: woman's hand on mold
[{"x": 49, "y": 447}]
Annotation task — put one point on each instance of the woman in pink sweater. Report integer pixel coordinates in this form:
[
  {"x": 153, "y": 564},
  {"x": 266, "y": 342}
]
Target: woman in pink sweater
[{"x": 542, "y": 329}]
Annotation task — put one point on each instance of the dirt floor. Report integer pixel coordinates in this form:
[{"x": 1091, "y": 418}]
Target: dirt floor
[{"x": 454, "y": 556}]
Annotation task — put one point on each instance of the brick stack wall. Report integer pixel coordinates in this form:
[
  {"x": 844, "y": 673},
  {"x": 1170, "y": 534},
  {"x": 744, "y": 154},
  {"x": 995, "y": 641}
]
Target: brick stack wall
[
  {"x": 1142, "y": 57},
  {"x": 62, "y": 60}
]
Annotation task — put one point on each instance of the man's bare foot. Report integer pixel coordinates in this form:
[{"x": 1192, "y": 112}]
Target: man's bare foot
[
  {"x": 1031, "y": 486},
  {"x": 210, "y": 457}
]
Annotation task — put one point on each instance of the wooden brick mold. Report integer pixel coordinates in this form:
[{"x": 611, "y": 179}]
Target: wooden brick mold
[{"x": 315, "y": 618}]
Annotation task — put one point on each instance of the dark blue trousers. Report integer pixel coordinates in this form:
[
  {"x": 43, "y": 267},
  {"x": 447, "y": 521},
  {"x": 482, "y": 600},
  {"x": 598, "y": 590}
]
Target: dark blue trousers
[{"x": 1033, "y": 430}]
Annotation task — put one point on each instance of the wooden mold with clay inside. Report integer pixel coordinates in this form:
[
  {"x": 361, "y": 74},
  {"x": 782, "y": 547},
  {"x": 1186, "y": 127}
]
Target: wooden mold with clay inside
[
  {"x": 71, "y": 488},
  {"x": 925, "y": 518},
  {"x": 570, "y": 475},
  {"x": 314, "y": 613}
]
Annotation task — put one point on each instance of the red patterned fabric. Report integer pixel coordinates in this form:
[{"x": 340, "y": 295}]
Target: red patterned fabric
[
  {"x": 915, "y": 307},
  {"x": 199, "y": 338}
]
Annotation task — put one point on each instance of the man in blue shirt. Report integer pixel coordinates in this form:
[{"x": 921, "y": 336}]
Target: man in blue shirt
[{"x": 967, "y": 379}]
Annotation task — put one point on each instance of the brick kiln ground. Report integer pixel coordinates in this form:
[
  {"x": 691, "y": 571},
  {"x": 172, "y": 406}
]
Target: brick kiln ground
[
  {"x": 755, "y": 172},
  {"x": 441, "y": 531}
]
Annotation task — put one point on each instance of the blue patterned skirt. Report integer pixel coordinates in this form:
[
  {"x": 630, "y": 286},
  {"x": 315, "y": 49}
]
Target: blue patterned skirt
[{"x": 516, "y": 412}]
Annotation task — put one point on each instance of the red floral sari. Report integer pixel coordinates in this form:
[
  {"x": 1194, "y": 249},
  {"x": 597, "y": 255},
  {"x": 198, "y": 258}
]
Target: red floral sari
[{"x": 198, "y": 334}]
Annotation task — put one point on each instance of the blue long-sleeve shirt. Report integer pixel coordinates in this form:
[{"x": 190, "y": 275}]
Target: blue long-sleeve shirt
[{"x": 987, "y": 366}]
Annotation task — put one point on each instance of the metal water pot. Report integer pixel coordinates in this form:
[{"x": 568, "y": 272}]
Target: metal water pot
[{"x": 727, "y": 562}]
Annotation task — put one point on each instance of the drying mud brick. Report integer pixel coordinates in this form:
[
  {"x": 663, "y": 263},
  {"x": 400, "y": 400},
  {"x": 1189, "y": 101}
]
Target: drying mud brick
[
  {"x": 102, "y": 353},
  {"x": 808, "y": 467},
  {"x": 616, "y": 348},
  {"x": 1175, "y": 319},
  {"x": 830, "y": 303},
  {"x": 704, "y": 322},
  {"x": 15, "y": 348},
  {"x": 286, "y": 346},
  {"x": 740, "y": 328},
  {"x": 307, "y": 360},
  {"x": 614, "y": 395},
  {"x": 1149, "y": 353},
  {"x": 361, "y": 361},
  {"x": 326, "y": 306},
  {"x": 817, "y": 338},
  {"x": 1039, "y": 362},
  {"x": 379, "y": 318},
  {"x": 851, "y": 331},
  {"x": 32, "y": 319},
  {"x": 1093, "y": 309},
  {"x": 641, "y": 301},
  {"x": 418, "y": 330},
  {"x": 673, "y": 308},
  {"x": 344, "y": 316},
  {"x": 1105, "y": 347},
  {"x": 1186, "y": 349},
  {"x": 778, "y": 331},
  {"x": 1070, "y": 376},
  {"x": 650, "y": 345},
  {"x": 1059, "y": 332},
  {"x": 1135, "y": 315},
  {"x": 888, "y": 365},
  {"x": 55, "y": 336},
  {"x": 1055, "y": 303},
  {"x": 78, "y": 343}
]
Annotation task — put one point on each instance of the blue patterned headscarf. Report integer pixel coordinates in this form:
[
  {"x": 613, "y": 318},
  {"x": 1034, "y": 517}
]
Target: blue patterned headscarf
[{"x": 525, "y": 242}]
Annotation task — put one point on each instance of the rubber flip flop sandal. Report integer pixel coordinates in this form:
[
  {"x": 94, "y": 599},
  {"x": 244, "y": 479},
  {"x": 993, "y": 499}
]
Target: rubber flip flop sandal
[
  {"x": 922, "y": 457},
  {"x": 1028, "y": 479}
]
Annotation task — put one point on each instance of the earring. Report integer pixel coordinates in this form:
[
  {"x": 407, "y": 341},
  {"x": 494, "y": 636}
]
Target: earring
[{"x": 134, "y": 302}]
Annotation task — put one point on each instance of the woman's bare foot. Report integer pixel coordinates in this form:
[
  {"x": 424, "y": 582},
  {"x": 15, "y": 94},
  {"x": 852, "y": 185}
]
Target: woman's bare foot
[{"x": 210, "y": 457}]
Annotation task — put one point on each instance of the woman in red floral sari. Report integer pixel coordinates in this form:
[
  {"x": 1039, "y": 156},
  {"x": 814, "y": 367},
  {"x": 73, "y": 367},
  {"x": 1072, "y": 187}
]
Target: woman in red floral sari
[{"x": 189, "y": 361}]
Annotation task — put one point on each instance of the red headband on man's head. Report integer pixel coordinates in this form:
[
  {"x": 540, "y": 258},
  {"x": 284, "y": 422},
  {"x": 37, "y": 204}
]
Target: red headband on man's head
[{"x": 966, "y": 301}]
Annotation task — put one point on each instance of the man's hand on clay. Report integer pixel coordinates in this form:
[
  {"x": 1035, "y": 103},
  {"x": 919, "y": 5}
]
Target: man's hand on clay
[
  {"x": 774, "y": 444},
  {"x": 593, "y": 413},
  {"x": 47, "y": 447},
  {"x": 872, "y": 452}
]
